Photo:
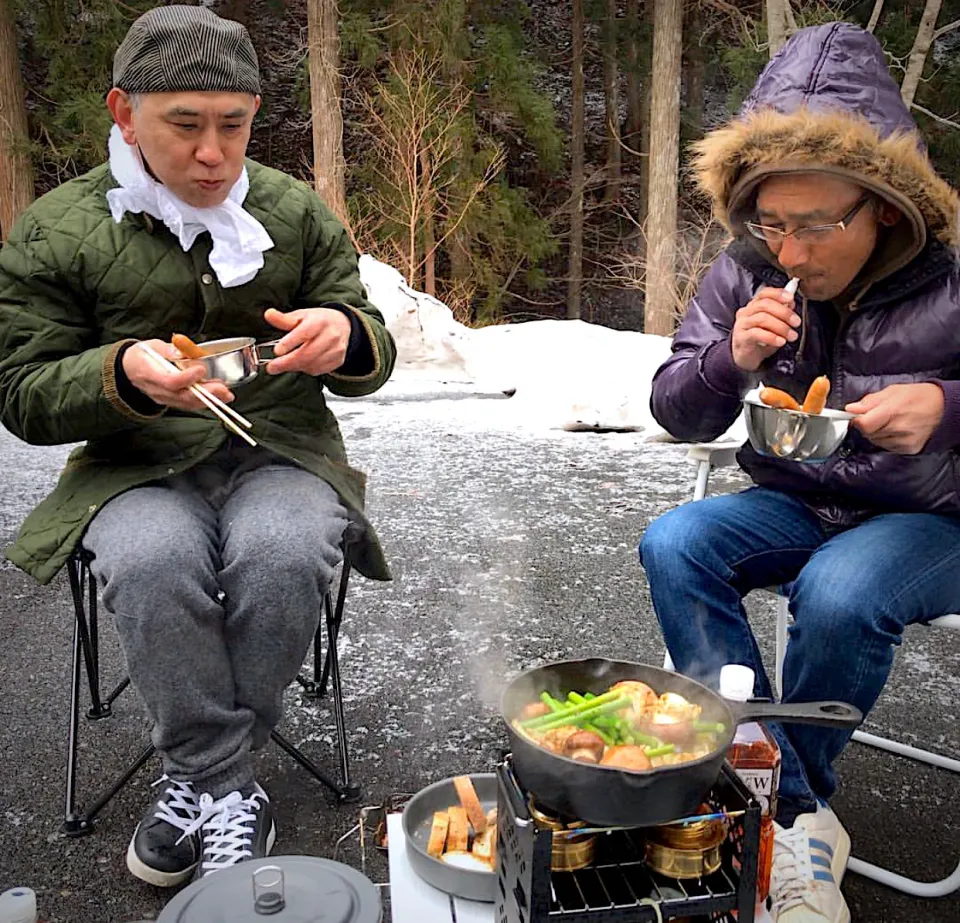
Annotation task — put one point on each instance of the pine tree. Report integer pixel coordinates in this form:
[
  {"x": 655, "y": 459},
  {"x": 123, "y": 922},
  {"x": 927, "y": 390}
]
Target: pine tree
[{"x": 16, "y": 170}]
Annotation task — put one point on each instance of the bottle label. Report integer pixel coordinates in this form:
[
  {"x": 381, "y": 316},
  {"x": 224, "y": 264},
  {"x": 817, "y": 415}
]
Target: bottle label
[{"x": 763, "y": 785}]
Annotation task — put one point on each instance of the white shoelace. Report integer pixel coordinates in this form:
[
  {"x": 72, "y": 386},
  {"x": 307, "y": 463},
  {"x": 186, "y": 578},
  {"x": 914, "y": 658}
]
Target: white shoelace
[
  {"x": 792, "y": 873},
  {"x": 181, "y": 808},
  {"x": 229, "y": 825}
]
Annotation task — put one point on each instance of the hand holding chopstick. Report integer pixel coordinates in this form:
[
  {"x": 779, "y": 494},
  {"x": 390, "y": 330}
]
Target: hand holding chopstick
[{"x": 228, "y": 416}]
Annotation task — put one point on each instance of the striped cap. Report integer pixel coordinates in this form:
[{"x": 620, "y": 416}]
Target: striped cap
[{"x": 178, "y": 49}]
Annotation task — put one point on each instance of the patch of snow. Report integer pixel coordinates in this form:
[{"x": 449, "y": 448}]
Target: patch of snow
[{"x": 563, "y": 374}]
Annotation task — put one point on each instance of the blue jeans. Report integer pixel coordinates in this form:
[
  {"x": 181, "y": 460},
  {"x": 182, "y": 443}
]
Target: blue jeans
[{"x": 852, "y": 595}]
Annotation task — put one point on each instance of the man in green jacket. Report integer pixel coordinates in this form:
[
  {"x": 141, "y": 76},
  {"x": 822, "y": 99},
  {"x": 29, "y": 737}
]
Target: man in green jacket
[{"x": 212, "y": 556}]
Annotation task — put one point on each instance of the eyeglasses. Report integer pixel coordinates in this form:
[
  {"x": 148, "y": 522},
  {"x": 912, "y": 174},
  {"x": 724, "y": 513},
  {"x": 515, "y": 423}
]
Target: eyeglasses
[{"x": 814, "y": 234}]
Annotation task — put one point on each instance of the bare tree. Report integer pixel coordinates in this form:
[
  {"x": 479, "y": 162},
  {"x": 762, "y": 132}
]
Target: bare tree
[
  {"x": 875, "y": 15},
  {"x": 575, "y": 250},
  {"x": 329, "y": 170},
  {"x": 921, "y": 47},
  {"x": 410, "y": 132},
  {"x": 16, "y": 171},
  {"x": 664, "y": 167},
  {"x": 611, "y": 95}
]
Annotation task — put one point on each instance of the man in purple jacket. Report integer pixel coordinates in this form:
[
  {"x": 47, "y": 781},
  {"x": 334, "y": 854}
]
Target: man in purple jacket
[{"x": 822, "y": 177}]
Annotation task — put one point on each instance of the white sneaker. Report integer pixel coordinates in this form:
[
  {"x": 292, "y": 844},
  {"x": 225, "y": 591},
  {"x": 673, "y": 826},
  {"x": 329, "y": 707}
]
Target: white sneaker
[{"x": 808, "y": 865}]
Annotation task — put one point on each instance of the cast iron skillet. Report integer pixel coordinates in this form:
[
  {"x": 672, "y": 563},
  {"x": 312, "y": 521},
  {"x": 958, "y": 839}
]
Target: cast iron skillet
[{"x": 612, "y": 797}]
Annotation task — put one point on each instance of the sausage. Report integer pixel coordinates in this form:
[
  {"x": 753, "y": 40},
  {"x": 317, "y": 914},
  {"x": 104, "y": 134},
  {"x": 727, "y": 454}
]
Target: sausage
[
  {"x": 774, "y": 397},
  {"x": 816, "y": 398},
  {"x": 186, "y": 346}
]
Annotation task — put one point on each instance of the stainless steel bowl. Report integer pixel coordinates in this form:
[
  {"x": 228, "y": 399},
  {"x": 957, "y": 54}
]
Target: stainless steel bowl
[
  {"x": 234, "y": 361},
  {"x": 793, "y": 434}
]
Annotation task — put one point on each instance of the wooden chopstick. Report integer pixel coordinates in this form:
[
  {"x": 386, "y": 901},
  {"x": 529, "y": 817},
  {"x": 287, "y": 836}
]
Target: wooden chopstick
[{"x": 226, "y": 414}]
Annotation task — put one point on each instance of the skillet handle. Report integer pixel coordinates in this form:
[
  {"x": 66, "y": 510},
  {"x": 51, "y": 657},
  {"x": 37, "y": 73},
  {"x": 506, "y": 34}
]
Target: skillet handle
[{"x": 829, "y": 714}]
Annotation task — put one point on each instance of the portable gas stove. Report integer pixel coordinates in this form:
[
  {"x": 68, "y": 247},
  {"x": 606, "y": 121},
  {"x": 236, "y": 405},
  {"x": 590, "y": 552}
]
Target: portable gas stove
[{"x": 618, "y": 885}]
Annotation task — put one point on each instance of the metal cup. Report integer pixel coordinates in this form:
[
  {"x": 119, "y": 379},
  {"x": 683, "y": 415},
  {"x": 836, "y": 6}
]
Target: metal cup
[
  {"x": 792, "y": 434},
  {"x": 234, "y": 361}
]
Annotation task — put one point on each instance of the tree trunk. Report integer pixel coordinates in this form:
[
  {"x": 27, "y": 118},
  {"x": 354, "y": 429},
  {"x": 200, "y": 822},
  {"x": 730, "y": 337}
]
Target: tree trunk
[
  {"x": 646, "y": 56},
  {"x": 16, "y": 171},
  {"x": 695, "y": 71},
  {"x": 776, "y": 24},
  {"x": 611, "y": 95},
  {"x": 329, "y": 169},
  {"x": 429, "y": 230},
  {"x": 575, "y": 259},
  {"x": 875, "y": 15},
  {"x": 918, "y": 54},
  {"x": 633, "y": 88},
  {"x": 664, "y": 167}
]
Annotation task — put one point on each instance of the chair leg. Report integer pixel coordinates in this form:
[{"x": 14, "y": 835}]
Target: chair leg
[
  {"x": 911, "y": 886},
  {"x": 913, "y": 753},
  {"x": 329, "y": 673},
  {"x": 332, "y": 661},
  {"x": 940, "y": 888},
  {"x": 783, "y": 617},
  {"x": 86, "y": 655}
]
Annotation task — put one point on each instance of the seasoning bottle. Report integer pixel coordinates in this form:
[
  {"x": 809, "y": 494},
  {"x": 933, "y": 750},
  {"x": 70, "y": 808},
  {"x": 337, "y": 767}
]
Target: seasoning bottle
[
  {"x": 755, "y": 757},
  {"x": 18, "y": 905}
]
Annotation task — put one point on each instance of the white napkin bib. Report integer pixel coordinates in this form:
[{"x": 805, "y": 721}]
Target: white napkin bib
[{"x": 239, "y": 240}]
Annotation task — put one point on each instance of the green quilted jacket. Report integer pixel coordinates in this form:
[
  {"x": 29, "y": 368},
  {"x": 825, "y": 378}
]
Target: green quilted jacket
[{"x": 75, "y": 286}]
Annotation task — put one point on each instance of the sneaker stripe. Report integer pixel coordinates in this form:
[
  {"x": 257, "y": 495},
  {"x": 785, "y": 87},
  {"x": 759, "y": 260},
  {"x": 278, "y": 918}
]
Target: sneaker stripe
[
  {"x": 824, "y": 876},
  {"x": 819, "y": 860},
  {"x": 822, "y": 846}
]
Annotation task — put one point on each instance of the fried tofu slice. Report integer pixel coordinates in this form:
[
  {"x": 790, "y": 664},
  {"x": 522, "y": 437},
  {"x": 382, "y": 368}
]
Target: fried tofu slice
[
  {"x": 438, "y": 834},
  {"x": 470, "y": 803},
  {"x": 485, "y": 845},
  {"x": 458, "y": 831}
]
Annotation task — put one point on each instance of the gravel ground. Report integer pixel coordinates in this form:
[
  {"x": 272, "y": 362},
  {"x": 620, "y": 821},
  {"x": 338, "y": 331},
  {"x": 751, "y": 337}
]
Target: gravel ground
[{"x": 509, "y": 549}]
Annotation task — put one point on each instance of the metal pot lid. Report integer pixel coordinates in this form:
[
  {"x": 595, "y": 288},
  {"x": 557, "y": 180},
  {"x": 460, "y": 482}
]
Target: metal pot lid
[{"x": 285, "y": 889}]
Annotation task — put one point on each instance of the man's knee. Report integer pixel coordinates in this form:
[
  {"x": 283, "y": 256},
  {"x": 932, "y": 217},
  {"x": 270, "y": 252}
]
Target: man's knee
[
  {"x": 830, "y": 611},
  {"x": 671, "y": 536},
  {"x": 285, "y": 554},
  {"x": 156, "y": 561}
]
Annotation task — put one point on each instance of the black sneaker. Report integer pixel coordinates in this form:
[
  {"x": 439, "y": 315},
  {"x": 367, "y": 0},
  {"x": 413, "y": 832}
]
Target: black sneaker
[
  {"x": 164, "y": 850},
  {"x": 234, "y": 829}
]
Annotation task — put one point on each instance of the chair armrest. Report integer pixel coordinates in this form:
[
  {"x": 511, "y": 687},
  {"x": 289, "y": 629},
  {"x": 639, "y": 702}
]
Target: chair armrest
[{"x": 716, "y": 454}]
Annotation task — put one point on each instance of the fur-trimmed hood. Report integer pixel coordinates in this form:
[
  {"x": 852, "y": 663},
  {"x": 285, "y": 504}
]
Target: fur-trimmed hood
[{"x": 827, "y": 102}]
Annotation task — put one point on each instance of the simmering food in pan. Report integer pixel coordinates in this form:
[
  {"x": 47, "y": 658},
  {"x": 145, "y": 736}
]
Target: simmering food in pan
[{"x": 629, "y": 727}]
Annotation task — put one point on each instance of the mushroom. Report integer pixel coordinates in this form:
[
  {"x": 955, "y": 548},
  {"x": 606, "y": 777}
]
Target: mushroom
[
  {"x": 556, "y": 738},
  {"x": 626, "y": 757},
  {"x": 585, "y": 746},
  {"x": 671, "y": 728}
]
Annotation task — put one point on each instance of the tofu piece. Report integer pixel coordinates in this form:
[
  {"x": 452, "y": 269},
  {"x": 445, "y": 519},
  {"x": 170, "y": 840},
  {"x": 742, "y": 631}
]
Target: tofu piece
[
  {"x": 470, "y": 803},
  {"x": 438, "y": 834},
  {"x": 458, "y": 831},
  {"x": 485, "y": 846}
]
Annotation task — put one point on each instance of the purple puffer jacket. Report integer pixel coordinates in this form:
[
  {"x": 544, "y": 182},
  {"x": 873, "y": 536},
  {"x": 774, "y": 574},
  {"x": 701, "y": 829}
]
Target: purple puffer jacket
[{"x": 901, "y": 321}]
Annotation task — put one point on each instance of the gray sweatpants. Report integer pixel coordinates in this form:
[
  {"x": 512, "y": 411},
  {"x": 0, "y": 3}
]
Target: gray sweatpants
[{"x": 215, "y": 579}]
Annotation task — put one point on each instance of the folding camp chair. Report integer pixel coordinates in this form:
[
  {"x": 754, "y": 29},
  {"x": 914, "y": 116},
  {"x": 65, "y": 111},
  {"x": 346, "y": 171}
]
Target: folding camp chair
[
  {"x": 709, "y": 456},
  {"x": 86, "y": 659}
]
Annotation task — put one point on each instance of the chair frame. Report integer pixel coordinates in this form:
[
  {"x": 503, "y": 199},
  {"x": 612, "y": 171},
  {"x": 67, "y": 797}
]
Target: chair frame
[
  {"x": 86, "y": 659},
  {"x": 708, "y": 456}
]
